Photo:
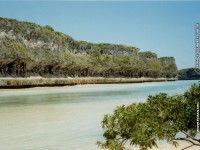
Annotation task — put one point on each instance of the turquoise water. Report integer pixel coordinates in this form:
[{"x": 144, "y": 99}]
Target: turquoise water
[{"x": 68, "y": 117}]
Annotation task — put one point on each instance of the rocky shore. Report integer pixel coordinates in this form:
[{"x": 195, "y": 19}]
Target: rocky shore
[{"x": 41, "y": 82}]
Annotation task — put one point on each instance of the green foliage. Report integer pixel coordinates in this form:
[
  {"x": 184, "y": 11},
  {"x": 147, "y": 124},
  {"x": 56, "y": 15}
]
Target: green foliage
[
  {"x": 123, "y": 61},
  {"x": 161, "y": 117},
  {"x": 49, "y": 28},
  {"x": 30, "y": 24},
  {"x": 16, "y": 49},
  {"x": 193, "y": 97},
  {"x": 189, "y": 73},
  {"x": 42, "y": 44}
]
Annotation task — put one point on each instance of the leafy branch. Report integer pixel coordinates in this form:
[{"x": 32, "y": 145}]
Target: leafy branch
[{"x": 161, "y": 117}]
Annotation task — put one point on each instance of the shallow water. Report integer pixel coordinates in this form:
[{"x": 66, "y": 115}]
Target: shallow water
[{"x": 67, "y": 117}]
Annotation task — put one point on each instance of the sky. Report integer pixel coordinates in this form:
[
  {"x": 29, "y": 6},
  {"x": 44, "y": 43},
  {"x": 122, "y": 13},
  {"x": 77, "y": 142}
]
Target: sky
[{"x": 166, "y": 28}]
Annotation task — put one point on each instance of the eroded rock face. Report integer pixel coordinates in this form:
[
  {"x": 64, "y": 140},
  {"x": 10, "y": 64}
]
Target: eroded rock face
[{"x": 27, "y": 49}]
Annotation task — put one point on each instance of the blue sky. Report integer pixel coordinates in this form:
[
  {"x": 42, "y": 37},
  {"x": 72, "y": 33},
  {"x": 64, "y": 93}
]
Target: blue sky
[{"x": 166, "y": 28}]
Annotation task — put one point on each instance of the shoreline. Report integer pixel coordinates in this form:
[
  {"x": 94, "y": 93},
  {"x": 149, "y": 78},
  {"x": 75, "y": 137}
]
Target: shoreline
[
  {"x": 166, "y": 146},
  {"x": 15, "y": 83}
]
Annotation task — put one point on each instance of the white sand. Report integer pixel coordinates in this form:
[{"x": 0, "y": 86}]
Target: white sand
[
  {"x": 165, "y": 146},
  {"x": 182, "y": 144}
]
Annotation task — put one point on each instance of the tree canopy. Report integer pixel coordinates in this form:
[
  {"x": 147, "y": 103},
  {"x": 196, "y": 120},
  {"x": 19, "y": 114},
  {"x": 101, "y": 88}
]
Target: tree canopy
[
  {"x": 28, "y": 49},
  {"x": 160, "y": 118}
]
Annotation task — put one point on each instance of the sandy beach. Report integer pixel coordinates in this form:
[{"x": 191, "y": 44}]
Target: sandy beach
[{"x": 182, "y": 145}]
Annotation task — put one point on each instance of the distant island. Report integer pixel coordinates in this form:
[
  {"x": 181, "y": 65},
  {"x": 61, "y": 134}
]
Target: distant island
[
  {"x": 189, "y": 74},
  {"x": 30, "y": 50}
]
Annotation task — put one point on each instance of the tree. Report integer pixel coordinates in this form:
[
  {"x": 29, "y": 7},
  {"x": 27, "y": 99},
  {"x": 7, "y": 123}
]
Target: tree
[{"x": 161, "y": 117}]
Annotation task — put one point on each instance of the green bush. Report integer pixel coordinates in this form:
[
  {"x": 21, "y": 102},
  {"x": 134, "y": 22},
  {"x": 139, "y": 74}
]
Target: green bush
[{"x": 161, "y": 117}]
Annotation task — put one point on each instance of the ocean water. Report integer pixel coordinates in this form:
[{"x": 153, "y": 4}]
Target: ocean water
[{"x": 68, "y": 118}]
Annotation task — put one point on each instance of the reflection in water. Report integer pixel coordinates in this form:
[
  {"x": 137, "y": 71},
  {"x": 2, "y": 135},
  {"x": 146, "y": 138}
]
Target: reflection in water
[{"x": 67, "y": 117}]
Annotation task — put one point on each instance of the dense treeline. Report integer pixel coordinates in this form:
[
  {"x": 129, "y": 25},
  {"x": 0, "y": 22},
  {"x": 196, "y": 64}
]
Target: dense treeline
[
  {"x": 189, "y": 74},
  {"x": 27, "y": 49}
]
